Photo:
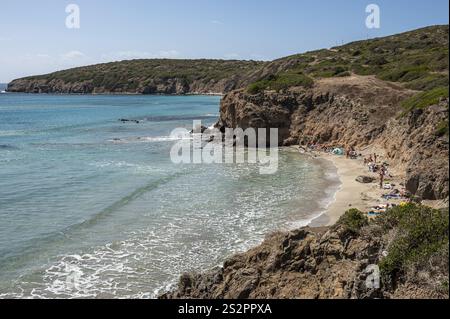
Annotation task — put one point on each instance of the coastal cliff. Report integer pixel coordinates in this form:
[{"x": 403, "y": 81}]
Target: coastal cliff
[
  {"x": 354, "y": 259},
  {"x": 158, "y": 76},
  {"x": 389, "y": 96},
  {"x": 358, "y": 111}
]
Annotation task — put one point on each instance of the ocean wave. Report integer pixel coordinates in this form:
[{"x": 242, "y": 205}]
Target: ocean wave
[
  {"x": 12, "y": 133},
  {"x": 36, "y": 247},
  {"x": 169, "y": 118},
  {"x": 150, "y": 139}
]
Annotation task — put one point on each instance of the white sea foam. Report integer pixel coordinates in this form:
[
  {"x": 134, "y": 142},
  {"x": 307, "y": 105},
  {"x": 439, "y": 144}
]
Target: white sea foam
[
  {"x": 11, "y": 133},
  {"x": 151, "y": 139}
]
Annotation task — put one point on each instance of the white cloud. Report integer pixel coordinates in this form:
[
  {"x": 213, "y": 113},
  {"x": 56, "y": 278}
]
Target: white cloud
[
  {"x": 217, "y": 22},
  {"x": 73, "y": 55}
]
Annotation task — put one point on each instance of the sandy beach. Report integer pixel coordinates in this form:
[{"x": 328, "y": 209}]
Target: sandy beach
[{"x": 353, "y": 194}]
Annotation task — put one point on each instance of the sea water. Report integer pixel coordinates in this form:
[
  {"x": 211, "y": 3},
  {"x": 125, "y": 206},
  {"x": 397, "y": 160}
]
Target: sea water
[{"x": 93, "y": 207}]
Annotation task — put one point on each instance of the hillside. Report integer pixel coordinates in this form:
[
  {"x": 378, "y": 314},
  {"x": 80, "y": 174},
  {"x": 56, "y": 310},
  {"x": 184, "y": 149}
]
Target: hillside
[
  {"x": 417, "y": 60},
  {"x": 388, "y": 94},
  {"x": 157, "y": 76}
]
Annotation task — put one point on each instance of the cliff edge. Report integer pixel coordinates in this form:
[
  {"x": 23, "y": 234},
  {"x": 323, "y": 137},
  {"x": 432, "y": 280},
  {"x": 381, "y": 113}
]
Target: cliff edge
[{"x": 354, "y": 259}]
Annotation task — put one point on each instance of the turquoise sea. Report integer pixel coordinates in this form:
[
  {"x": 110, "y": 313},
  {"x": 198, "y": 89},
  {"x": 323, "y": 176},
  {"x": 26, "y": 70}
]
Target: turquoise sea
[{"x": 92, "y": 207}]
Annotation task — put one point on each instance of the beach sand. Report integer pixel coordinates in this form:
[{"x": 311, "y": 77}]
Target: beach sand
[{"x": 353, "y": 194}]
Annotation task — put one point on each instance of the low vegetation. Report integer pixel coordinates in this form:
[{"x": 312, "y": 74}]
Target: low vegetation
[
  {"x": 281, "y": 82},
  {"x": 419, "y": 244},
  {"x": 417, "y": 60},
  {"x": 442, "y": 129},
  {"x": 424, "y": 99},
  {"x": 129, "y": 75},
  {"x": 353, "y": 221}
]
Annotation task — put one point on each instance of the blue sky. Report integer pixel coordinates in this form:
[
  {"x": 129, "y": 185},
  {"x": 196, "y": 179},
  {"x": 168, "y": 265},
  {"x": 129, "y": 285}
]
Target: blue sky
[{"x": 35, "y": 40}]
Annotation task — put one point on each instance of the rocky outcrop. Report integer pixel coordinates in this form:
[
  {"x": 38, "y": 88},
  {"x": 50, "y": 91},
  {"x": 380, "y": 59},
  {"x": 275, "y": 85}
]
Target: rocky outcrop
[
  {"x": 358, "y": 111},
  {"x": 306, "y": 263},
  {"x": 158, "y": 86},
  {"x": 309, "y": 263}
]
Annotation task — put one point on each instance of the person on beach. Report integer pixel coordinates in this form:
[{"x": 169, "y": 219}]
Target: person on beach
[
  {"x": 382, "y": 173},
  {"x": 375, "y": 158}
]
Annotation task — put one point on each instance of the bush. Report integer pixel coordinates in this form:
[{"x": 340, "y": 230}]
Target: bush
[
  {"x": 352, "y": 221},
  {"x": 425, "y": 99},
  {"x": 428, "y": 82},
  {"x": 420, "y": 232},
  {"x": 403, "y": 74},
  {"x": 258, "y": 86},
  {"x": 442, "y": 128},
  {"x": 344, "y": 74},
  {"x": 280, "y": 82}
]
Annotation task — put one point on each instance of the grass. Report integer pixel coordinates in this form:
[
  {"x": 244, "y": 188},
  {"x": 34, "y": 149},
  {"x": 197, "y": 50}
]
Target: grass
[
  {"x": 280, "y": 82},
  {"x": 425, "y": 99},
  {"x": 442, "y": 129},
  {"x": 417, "y": 60}
]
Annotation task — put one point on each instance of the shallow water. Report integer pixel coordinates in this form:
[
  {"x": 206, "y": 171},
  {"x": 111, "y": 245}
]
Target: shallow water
[{"x": 91, "y": 207}]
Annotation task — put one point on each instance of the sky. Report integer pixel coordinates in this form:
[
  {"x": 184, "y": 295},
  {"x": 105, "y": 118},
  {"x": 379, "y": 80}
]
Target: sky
[{"x": 34, "y": 38}]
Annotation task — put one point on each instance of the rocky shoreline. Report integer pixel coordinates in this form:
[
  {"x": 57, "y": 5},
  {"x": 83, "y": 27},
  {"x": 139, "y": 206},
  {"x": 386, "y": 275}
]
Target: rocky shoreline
[
  {"x": 308, "y": 263},
  {"x": 371, "y": 96},
  {"x": 333, "y": 262}
]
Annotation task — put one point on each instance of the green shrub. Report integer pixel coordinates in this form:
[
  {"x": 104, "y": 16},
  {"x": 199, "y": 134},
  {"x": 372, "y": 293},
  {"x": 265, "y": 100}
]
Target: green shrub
[
  {"x": 377, "y": 60},
  {"x": 258, "y": 86},
  {"x": 280, "y": 82},
  {"x": 442, "y": 128},
  {"x": 420, "y": 232},
  {"x": 428, "y": 82},
  {"x": 403, "y": 74},
  {"x": 353, "y": 220},
  {"x": 344, "y": 74},
  {"x": 425, "y": 99}
]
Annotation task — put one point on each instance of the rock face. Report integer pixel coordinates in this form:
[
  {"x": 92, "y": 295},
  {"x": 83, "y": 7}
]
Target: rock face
[
  {"x": 309, "y": 263},
  {"x": 357, "y": 111},
  {"x": 173, "y": 86},
  {"x": 306, "y": 263}
]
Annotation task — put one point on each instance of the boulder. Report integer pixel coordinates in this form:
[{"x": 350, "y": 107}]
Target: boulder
[{"x": 365, "y": 179}]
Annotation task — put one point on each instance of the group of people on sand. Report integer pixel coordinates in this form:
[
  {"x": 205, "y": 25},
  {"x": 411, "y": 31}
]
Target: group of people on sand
[
  {"x": 372, "y": 161},
  {"x": 374, "y": 167}
]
